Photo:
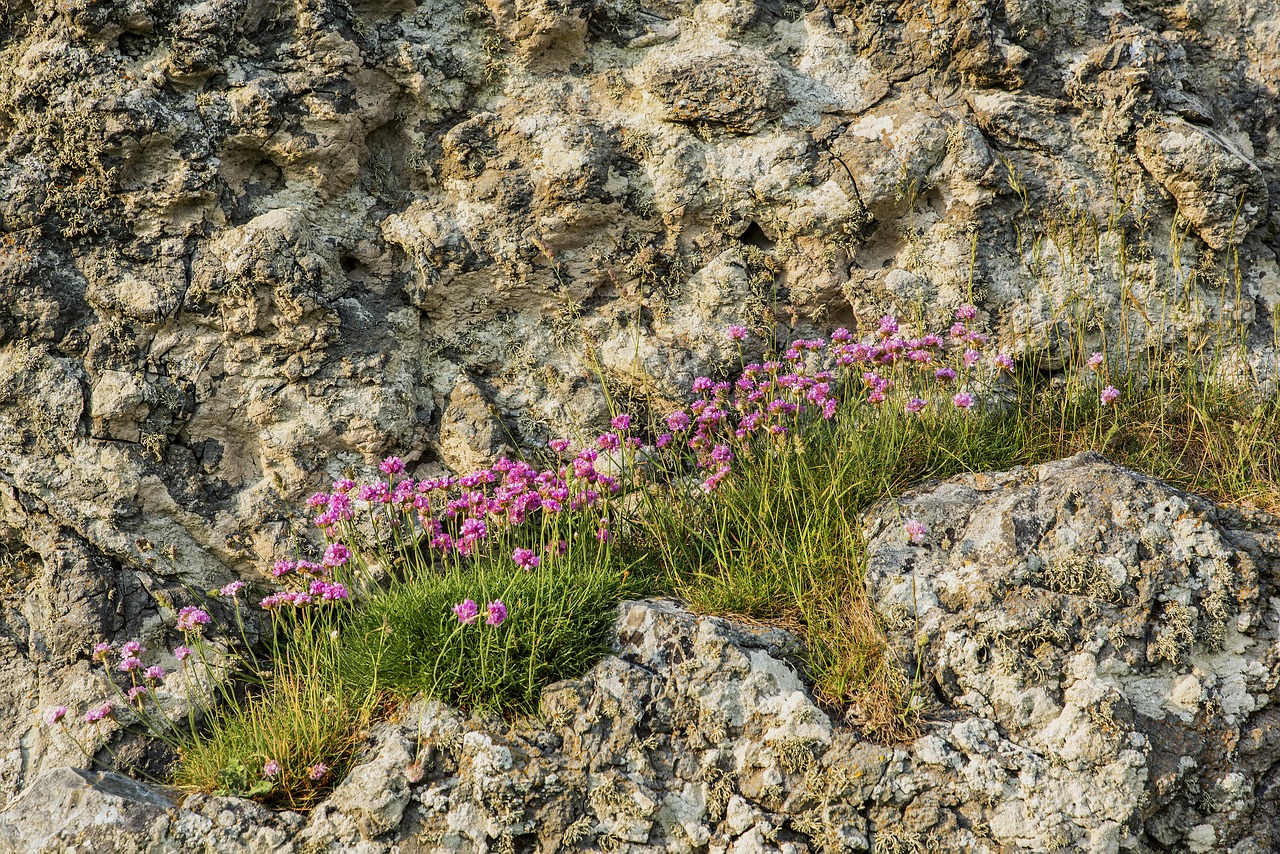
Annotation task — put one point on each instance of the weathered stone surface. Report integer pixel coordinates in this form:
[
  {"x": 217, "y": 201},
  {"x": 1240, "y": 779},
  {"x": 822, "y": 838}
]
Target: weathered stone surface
[
  {"x": 1096, "y": 653},
  {"x": 245, "y": 246}
]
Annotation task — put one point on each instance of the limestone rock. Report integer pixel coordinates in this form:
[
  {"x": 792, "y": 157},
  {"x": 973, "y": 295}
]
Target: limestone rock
[{"x": 1217, "y": 187}]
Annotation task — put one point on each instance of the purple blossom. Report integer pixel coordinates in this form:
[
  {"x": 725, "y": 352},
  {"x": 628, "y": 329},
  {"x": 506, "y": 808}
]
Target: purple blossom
[
  {"x": 971, "y": 358},
  {"x": 959, "y": 330},
  {"x": 137, "y": 693},
  {"x": 915, "y": 531},
  {"x": 318, "y": 771},
  {"x": 1109, "y": 394},
  {"x": 1003, "y": 361},
  {"x": 270, "y": 769},
  {"x": 130, "y": 664},
  {"x": 737, "y": 333},
  {"x": 722, "y": 454},
  {"x": 282, "y": 568},
  {"x": 128, "y": 649},
  {"x": 54, "y": 715},
  {"x": 155, "y": 673},
  {"x": 702, "y": 384},
  {"x": 963, "y": 400},
  {"x": 328, "y": 591},
  {"x": 181, "y": 653},
  {"x": 1095, "y": 361},
  {"x": 191, "y": 618},
  {"x": 678, "y": 422},
  {"x": 318, "y": 500},
  {"x": 101, "y": 651},
  {"x": 888, "y": 325},
  {"x": 621, "y": 423},
  {"x": 559, "y": 445},
  {"x": 98, "y": 713},
  {"x": 916, "y": 404},
  {"x": 343, "y": 485},
  {"x": 497, "y": 613},
  {"x": 945, "y": 374},
  {"x": 232, "y": 589},
  {"x": 466, "y": 611},
  {"x": 336, "y": 555},
  {"x": 966, "y": 312},
  {"x": 392, "y": 465},
  {"x": 525, "y": 558}
]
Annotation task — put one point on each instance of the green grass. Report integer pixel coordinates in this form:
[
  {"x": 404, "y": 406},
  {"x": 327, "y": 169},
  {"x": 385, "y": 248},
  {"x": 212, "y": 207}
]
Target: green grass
[{"x": 408, "y": 641}]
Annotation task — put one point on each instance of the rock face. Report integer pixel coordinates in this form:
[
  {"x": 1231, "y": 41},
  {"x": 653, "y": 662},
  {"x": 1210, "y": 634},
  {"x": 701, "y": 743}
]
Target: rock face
[
  {"x": 1099, "y": 653},
  {"x": 245, "y": 245}
]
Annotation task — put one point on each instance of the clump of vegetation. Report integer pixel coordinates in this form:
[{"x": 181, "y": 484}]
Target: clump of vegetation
[{"x": 480, "y": 590}]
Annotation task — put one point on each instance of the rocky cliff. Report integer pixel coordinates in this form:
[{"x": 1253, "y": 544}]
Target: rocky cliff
[
  {"x": 1100, "y": 658},
  {"x": 245, "y": 244}
]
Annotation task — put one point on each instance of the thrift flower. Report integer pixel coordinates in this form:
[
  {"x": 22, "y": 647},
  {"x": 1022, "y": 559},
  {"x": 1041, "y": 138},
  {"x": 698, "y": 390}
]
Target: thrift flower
[
  {"x": 916, "y": 404},
  {"x": 232, "y": 589},
  {"x": 971, "y": 358},
  {"x": 963, "y": 400},
  {"x": 621, "y": 422},
  {"x": 318, "y": 771},
  {"x": 128, "y": 649},
  {"x": 191, "y": 618},
  {"x": 966, "y": 312},
  {"x": 271, "y": 769},
  {"x": 336, "y": 555},
  {"x": 392, "y": 465},
  {"x": 137, "y": 693},
  {"x": 888, "y": 325},
  {"x": 55, "y": 714},
  {"x": 466, "y": 611},
  {"x": 181, "y": 653},
  {"x": 155, "y": 673},
  {"x": 557, "y": 445},
  {"x": 737, "y": 333},
  {"x": 497, "y": 613},
  {"x": 1003, "y": 361},
  {"x": 915, "y": 531},
  {"x": 130, "y": 664},
  {"x": 945, "y": 374},
  {"x": 96, "y": 714},
  {"x": 1109, "y": 394},
  {"x": 1095, "y": 361},
  {"x": 525, "y": 558},
  {"x": 101, "y": 651},
  {"x": 282, "y": 568}
]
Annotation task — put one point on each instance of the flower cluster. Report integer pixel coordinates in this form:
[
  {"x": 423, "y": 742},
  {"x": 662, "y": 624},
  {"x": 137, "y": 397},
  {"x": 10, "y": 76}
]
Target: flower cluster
[{"x": 467, "y": 612}]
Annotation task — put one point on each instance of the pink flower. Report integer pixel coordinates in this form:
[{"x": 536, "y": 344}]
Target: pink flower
[
  {"x": 98, "y": 713},
  {"x": 282, "y": 568},
  {"x": 678, "y": 422},
  {"x": 737, "y": 333},
  {"x": 559, "y": 445},
  {"x": 271, "y": 769},
  {"x": 497, "y": 613},
  {"x": 916, "y": 404},
  {"x": 101, "y": 651},
  {"x": 945, "y": 374},
  {"x": 915, "y": 531},
  {"x": 232, "y": 589},
  {"x": 128, "y": 649},
  {"x": 130, "y": 664},
  {"x": 181, "y": 653},
  {"x": 137, "y": 693},
  {"x": 1003, "y": 361},
  {"x": 318, "y": 500},
  {"x": 966, "y": 312},
  {"x": 621, "y": 422},
  {"x": 702, "y": 384},
  {"x": 963, "y": 400},
  {"x": 191, "y": 618},
  {"x": 721, "y": 454},
  {"x": 318, "y": 771},
  {"x": 466, "y": 611},
  {"x": 525, "y": 558},
  {"x": 55, "y": 714},
  {"x": 155, "y": 673},
  {"x": 1095, "y": 361},
  {"x": 1109, "y": 394},
  {"x": 888, "y": 324},
  {"x": 336, "y": 555},
  {"x": 343, "y": 485},
  {"x": 971, "y": 358},
  {"x": 392, "y": 465},
  {"x": 328, "y": 591}
]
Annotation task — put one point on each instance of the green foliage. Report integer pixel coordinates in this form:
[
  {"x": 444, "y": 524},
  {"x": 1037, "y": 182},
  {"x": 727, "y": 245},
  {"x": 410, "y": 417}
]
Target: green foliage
[{"x": 408, "y": 640}]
